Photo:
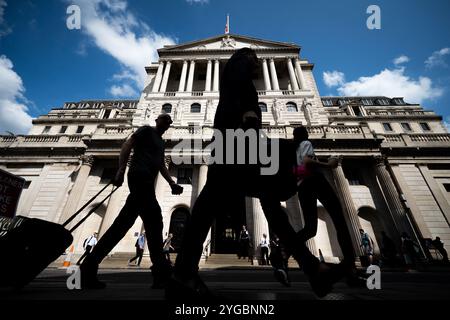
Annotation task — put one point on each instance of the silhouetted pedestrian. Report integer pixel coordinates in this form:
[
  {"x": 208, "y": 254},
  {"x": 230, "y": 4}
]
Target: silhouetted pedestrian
[
  {"x": 140, "y": 246},
  {"x": 88, "y": 245},
  {"x": 167, "y": 246},
  {"x": 439, "y": 245},
  {"x": 264, "y": 244},
  {"x": 146, "y": 164}
]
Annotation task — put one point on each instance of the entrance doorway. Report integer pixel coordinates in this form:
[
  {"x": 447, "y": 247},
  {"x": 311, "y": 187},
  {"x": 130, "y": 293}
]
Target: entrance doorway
[
  {"x": 178, "y": 223},
  {"x": 226, "y": 229}
]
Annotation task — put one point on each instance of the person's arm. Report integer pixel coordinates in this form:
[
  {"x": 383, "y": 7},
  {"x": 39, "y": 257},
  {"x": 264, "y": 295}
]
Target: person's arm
[
  {"x": 176, "y": 189},
  {"x": 332, "y": 162},
  {"x": 123, "y": 160}
]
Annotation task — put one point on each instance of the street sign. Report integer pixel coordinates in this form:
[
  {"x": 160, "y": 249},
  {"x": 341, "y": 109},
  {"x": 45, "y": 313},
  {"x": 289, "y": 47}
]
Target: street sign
[{"x": 10, "y": 190}]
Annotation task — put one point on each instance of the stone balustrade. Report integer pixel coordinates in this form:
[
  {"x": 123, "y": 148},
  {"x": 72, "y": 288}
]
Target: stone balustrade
[
  {"x": 40, "y": 141},
  {"x": 416, "y": 140}
]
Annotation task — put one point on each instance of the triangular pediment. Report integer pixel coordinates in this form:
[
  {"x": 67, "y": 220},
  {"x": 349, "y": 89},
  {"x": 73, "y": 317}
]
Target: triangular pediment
[{"x": 229, "y": 41}]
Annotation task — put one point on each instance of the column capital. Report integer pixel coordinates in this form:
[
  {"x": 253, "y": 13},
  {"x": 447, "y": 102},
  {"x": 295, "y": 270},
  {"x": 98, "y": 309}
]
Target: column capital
[
  {"x": 339, "y": 159},
  {"x": 87, "y": 160},
  {"x": 380, "y": 160}
]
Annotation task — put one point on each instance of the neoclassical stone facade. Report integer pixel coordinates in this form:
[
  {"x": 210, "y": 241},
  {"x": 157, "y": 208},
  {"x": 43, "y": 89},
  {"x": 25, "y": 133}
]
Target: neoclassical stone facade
[{"x": 394, "y": 173}]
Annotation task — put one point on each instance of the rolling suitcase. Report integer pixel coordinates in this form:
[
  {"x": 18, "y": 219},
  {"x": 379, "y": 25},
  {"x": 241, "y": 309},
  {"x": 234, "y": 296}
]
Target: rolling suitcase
[{"x": 28, "y": 246}]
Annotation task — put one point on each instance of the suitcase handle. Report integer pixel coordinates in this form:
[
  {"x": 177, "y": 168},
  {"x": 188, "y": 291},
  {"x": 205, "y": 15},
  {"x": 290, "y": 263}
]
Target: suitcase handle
[
  {"x": 93, "y": 209},
  {"x": 65, "y": 224}
]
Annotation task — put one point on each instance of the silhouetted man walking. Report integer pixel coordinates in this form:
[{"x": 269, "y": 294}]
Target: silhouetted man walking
[{"x": 147, "y": 162}]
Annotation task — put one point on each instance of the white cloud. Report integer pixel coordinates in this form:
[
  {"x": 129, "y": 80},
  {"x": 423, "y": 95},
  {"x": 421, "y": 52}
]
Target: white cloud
[
  {"x": 123, "y": 91},
  {"x": 333, "y": 78},
  {"x": 197, "y": 1},
  {"x": 392, "y": 83},
  {"x": 401, "y": 59},
  {"x": 437, "y": 58},
  {"x": 117, "y": 32},
  {"x": 13, "y": 111}
]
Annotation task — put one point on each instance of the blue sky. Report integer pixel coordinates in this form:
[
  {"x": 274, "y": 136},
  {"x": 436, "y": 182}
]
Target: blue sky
[{"x": 44, "y": 64}]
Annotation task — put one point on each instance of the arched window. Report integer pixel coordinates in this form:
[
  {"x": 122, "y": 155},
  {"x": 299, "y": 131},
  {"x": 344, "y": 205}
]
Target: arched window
[
  {"x": 196, "y": 108},
  {"x": 291, "y": 107},
  {"x": 263, "y": 107},
  {"x": 167, "y": 108}
]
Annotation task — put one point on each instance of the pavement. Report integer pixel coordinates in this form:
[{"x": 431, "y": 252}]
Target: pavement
[{"x": 234, "y": 284}]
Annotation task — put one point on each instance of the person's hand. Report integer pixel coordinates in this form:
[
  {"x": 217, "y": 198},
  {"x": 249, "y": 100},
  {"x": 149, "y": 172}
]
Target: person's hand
[
  {"x": 333, "y": 163},
  {"x": 118, "y": 179},
  {"x": 176, "y": 189}
]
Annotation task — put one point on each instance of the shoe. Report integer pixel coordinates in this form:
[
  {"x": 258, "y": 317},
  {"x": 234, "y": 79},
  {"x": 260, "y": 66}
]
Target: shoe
[
  {"x": 282, "y": 277},
  {"x": 321, "y": 280},
  {"x": 89, "y": 279},
  {"x": 192, "y": 289}
]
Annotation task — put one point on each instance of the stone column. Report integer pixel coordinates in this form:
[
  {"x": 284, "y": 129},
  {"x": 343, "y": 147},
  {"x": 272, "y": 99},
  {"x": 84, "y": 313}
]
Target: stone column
[
  {"x": 258, "y": 227},
  {"x": 266, "y": 76},
  {"x": 348, "y": 206},
  {"x": 295, "y": 214},
  {"x": 202, "y": 175},
  {"x": 183, "y": 77},
  {"x": 273, "y": 73},
  {"x": 190, "y": 82},
  {"x": 294, "y": 83},
  {"x": 114, "y": 206},
  {"x": 74, "y": 198},
  {"x": 158, "y": 77},
  {"x": 216, "y": 75},
  {"x": 208, "y": 76},
  {"x": 392, "y": 197},
  {"x": 165, "y": 80},
  {"x": 301, "y": 78}
]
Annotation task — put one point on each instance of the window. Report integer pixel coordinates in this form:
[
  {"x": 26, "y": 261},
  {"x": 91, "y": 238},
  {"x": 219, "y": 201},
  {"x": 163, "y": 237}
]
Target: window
[
  {"x": 367, "y": 102},
  {"x": 327, "y": 102},
  {"x": 46, "y": 129},
  {"x": 63, "y": 129},
  {"x": 357, "y": 111},
  {"x": 383, "y": 102},
  {"x": 107, "y": 175},
  {"x": 263, "y": 107},
  {"x": 196, "y": 108},
  {"x": 27, "y": 185},
  {"x": 387, "y": 127},
  {"x": 447, "y": 187},
  {"x": 80, "y": 129},
  {"x": 425, "y": 126},
  {"x": 353, "y": 176},
  {"x": 167, "y": 108},
  {"x": 184, "y": 176},
  {"x": 399, "y": 101},
  {"x": 406, "y": 127},
  {"x": 291, "y": 107},
  {"x": 107, "y": 114}
]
